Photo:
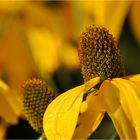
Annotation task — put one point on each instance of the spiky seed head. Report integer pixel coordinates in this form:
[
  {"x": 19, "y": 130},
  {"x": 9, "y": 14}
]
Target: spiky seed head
[
  {"x": 99, "y": 54},
  {"x": 37, "y": 96}
]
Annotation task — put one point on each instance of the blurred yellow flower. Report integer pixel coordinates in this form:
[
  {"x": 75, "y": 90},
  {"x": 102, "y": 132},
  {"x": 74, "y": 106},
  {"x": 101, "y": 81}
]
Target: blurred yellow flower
[
  {"x": 29, "y": 46},
  {"x": 14, "y": 69},
  {"x": 42, "y": 27},
  {"x": 37, "y": 39},
  {"x": 10, "y": 108},
  {"x": 119, "y": 97},
  {"x": 38, "y": 28},
  {"x": 110, "y": 14}
]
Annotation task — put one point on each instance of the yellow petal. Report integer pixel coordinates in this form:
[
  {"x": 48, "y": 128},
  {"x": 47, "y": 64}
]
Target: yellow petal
[
  {"x": 110, "y": 14},
  {"x": 91, "y": 83},
  {"x": 135, "y": 20},
  {"x": 45, "y": 48},
  {"x": 135, "y": 79},
  {"x": 90, "y": 119},
  {"x": 122, "y": 102},
  {"x": 92, "y": 112},
  {"x": 115, "y": 13},
  {"x": 9, "y": 109},
  {"x": 61, "y": 116},
  {"x": 84, "y": 106}
]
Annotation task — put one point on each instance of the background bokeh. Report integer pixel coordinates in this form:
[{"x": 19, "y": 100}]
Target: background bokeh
[{"x": 40, "y": 39}]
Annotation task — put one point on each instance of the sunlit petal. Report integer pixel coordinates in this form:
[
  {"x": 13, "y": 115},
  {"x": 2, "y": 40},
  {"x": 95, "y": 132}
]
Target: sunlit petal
[
  {"x": 60, "y": 118},
  {"x": 91, "y": 118},
  {"x": 135, "y": 79},
  {"x": 122, "y": 102},
  {"x": 61, "y": 115}
]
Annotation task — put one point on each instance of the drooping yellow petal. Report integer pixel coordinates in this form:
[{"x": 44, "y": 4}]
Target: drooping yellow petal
[
  {"x": 9, "y": 109},
  {"x": 89, "y": 85},
  {"x": 61, "y": 115},
  {"x": 122, "y": 102},
  {"x": 91, "y": 118},
  {"x": 60, "y": 118}
]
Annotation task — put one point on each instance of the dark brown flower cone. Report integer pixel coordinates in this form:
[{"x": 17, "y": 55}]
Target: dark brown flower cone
[
  {"x": 37, "y": 96},
  {"x": 99, "y": 54}
]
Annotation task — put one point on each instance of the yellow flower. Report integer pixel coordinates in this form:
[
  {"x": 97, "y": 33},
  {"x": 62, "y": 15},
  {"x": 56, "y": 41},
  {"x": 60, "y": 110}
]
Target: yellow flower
[
  {"x": 110, "y": 14},
  {"x": 78, "y": 112},
  {"x": 10, "y": 108},
  {"x": 119, "y": 97},
  {"x": 39, "y": 38}
]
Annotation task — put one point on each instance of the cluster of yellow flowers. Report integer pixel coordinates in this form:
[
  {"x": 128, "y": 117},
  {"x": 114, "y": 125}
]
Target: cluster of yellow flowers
[{"x": 37, "y": 38}]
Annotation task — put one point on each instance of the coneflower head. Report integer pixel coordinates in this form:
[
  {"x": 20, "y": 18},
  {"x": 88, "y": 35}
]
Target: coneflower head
[
  {"x": 99, "y": 54},
  {"x": 37, "y": 96}
]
